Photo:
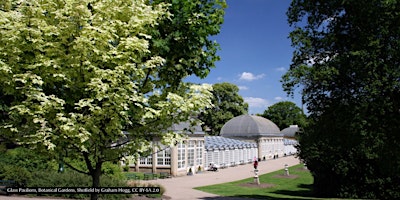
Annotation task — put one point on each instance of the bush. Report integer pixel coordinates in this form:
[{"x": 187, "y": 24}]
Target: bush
[
  {"x": 26, "y": 158},
  {"x": 18, "y": 174},
  {"x": 75, "y": 179},
  {"x": 112, "y": 181},
  {"x": 28, "y": 169},
  {"x": 126, "y": 168},
  {"x": 113, "y": 170},
  {"x": 66, "y": 179}
]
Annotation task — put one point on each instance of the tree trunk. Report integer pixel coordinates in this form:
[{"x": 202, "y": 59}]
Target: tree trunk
[{"x": 96, "y": 173}]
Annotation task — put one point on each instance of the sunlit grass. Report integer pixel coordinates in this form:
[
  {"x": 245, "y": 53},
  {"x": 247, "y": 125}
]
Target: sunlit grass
[{"x": 296, "y": 186}]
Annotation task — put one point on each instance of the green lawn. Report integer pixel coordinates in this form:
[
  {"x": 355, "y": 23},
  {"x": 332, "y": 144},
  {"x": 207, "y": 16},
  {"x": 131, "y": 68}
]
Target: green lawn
[{"x": 296, "y": 186}]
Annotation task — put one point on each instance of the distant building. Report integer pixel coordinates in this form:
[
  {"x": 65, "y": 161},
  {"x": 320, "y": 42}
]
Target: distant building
[
  {"x": 263, "y": 132},
  {"x": 242, "y": 139},
  {"x": 177, "y": 159},
  {"x": 227, "y": 152},
  {"x": 290, "y": 141}
]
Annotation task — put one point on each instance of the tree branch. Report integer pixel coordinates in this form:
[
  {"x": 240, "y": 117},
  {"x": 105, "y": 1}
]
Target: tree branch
[
  {"x": 76, "y": 169},
  {"x": 88, "y": 163}
]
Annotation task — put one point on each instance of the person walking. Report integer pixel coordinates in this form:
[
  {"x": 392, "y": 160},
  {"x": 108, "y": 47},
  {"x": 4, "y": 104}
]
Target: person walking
[{"x": 255, "y": 164}]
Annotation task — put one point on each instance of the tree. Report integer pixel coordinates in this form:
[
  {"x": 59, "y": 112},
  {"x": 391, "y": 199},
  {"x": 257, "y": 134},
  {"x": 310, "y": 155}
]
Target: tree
[
  {"x": 346, "y": 61},
  {"x": 284, "y": 114},
  {"x": 81, "y": 80},
  {"x": 183, "y": 38},
  {"x": 227, "y": 104}
]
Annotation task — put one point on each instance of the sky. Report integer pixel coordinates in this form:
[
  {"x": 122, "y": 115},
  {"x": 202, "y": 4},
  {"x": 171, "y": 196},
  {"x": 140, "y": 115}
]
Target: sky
[{"x": 255, "y": 52}]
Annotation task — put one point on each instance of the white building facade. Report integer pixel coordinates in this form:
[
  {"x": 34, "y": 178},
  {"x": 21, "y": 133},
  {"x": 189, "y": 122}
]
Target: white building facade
[{"x": 242, "y": 140}]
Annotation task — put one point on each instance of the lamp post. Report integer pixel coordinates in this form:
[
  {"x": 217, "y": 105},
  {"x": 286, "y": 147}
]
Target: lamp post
[
  {"x": 61, "y": 165},
  {"x": 256, "y": 179},
  {"x": 286, "y": 170}
]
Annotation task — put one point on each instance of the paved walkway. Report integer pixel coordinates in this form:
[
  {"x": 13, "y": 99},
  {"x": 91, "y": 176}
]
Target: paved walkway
[{"x": 181, "y": 188}]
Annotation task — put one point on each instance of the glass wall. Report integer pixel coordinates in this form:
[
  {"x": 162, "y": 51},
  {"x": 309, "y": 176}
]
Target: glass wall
[
  {"x": 164, "y": 157},
  {"x": 146, "y": 160},
  {"x": 199, "y": 152},
  {"x": 181, "y": 155},
  {"x": 191, "y": 153}
]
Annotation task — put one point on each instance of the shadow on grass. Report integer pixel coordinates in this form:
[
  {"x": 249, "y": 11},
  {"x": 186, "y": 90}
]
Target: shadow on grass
[{"x": 304, "y": 193}]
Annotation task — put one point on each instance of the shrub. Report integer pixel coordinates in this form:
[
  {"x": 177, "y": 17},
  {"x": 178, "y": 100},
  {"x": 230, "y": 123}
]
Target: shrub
[
  {"x": 18, "y": 174},
  {"x": 26, "y": 158},
  {"x": 66, "y": 179},
  {"x": 74, "y": 179},
  {"x": 113, "y": 170}
]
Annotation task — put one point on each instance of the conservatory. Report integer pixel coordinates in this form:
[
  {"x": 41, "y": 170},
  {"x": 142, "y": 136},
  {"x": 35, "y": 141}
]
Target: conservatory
[
  {"x": 175, "y": 160},
  {"x": 229, "y": 152},
  {"x": 242, "y": 139},
  {"x": 259, "y": 130}
]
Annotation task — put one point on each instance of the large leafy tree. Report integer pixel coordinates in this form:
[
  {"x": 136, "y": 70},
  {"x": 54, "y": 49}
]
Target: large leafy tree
[
  {"x": 183, "y": 38},
  {"x": 347, "y": 64},
  {"x": 284, "y": 114},
  {"x": 227, "y": 104},
  {"x": 75, "y": 74}
]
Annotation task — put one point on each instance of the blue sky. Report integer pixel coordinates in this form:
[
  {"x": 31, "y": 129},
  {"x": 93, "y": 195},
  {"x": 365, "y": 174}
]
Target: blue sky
[{"x": 255, "y": 52}]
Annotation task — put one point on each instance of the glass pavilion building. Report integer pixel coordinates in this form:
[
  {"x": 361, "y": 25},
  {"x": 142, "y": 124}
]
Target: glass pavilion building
[{"x": 242, "y": 139}]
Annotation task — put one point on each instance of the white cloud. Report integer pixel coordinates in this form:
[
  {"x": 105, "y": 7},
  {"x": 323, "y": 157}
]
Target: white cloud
[
  {"x": 247, "y": 76},
  {"x": 257, "y": 102},
  {"x": 278, "y": 98},
  {"x": 243, "y": 88},
  {"x": 219, "y": 78},
  {"x": 280, "y": 69}
]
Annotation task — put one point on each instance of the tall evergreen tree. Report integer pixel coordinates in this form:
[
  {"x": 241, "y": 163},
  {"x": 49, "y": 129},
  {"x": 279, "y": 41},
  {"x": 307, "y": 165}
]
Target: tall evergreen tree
[{"x": 347, "y": 63}]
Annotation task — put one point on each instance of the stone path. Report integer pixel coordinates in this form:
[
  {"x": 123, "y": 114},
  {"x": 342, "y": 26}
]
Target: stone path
[{"x": 181, "y": 188}]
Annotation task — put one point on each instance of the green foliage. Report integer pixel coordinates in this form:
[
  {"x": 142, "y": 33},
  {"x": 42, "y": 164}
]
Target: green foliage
[
  {"x": 18, "y": 164},
  {"x": 16, "y": 173},
  {"x": 347, "y": 64},
  {"x": 227, "y": 104},
  {"x": 113, "y": 170},
  {"x": 75, "y": 74},
  {"x": 74, "y": 179},
  {"x": 30, "y": 169},
  {"x": 66, "y": 179},
  {"x": 27, "y": 159},
  {"x": 184, "y": 41},
  {"x": 126, "y": 168},
  {"x": 284, "y": 114}
]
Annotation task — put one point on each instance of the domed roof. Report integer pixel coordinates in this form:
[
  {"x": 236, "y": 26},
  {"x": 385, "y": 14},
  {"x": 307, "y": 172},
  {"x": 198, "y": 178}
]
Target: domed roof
[
  {"x": 249, "y": 125},
  {"x": 290, "y": 131}
]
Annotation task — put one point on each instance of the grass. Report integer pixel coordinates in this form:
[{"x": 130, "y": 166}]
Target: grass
[{"x": 297, "y": 187}]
